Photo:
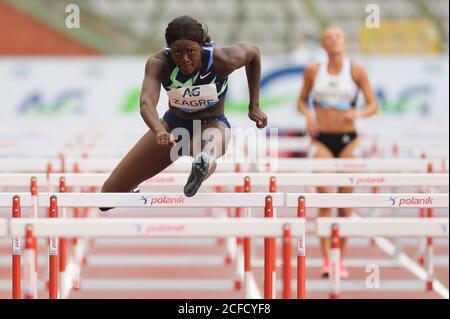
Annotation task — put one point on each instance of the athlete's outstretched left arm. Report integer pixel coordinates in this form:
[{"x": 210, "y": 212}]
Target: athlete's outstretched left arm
[{"x": 234, "y": 57}]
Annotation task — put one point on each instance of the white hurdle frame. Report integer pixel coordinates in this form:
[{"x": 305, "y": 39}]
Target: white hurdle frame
[
  {"x": 373, "y": 165},
  {"x": 384, "y": 227},
  {"x": 136, "y": 200},
  {"x": 237, "y": 179},
  {"x": 330, "y": 200},
  {"x": 370, "y": 227},
  {"x": 154, "y": 227},
  {"x": 376, "y": 227}
]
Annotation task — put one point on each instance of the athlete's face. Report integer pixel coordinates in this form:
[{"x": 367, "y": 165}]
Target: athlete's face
[
  {"x": 187, "y": 55},
  {"x": 333, "y": 41}
]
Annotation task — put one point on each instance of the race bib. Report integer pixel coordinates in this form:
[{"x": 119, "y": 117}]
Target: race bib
[{"x": 195, "y": 97}]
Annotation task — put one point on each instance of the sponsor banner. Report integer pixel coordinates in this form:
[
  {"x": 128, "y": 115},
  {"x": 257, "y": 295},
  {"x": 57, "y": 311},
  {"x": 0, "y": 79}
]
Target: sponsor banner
[
  {"x": 145, "y": 230},
  {"x": 411, "y": 201},
  {"x": 77, "y": 89},
  {"x": 367, "y": 180},
  {"x": 161, "y": 200}
]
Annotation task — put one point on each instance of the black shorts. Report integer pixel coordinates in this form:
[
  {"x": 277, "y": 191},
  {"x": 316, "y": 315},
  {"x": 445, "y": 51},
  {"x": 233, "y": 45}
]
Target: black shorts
[
  {"x": 336, "y": 142},
  {"x": 173, "y": 121}
]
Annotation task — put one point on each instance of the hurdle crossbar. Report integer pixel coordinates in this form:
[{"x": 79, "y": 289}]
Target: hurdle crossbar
[
  {"x": 183, "y": 164},
  {"x": 151, "y": 227},
  {"x": 6, "y": 199},
  {"x": 262, "y": 179},
  {"x": 161, "y": 199},
  {"x": 21, "y": 179},
  {"x": 396, "y": 200},
  {"x": 225, "y": 179},
  {"x": 384, "y": 227}
]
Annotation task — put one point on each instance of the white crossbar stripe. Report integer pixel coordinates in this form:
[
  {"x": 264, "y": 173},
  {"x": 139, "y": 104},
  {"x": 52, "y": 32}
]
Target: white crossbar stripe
[
  {"x": 280, "y": 165},
  {"x": 161, "y": 199},
  {"x": 21, "y": 179},
  {"x": 369, "y": 200},
  {"x": 262, "y": 179},
  {"x": 232, "y": 200},
  {"x": 385, "y": 227},
  {"x": 152, "y": 227},
  {"x": 6, "y": 199}
]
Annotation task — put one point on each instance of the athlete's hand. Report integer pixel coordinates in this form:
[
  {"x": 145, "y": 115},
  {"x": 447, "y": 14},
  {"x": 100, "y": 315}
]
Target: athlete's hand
[
  {"x": 164, "y": 138},
  {"x": 351, "y": 115},
  {"x": 257, "y": 116},
  {"x": 312, "y": 126}
]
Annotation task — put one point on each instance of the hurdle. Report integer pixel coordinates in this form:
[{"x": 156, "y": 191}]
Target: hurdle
[
  {"x": 17, "y": 203},
  {"x": 292, "y": 165},
  {"x": 271, "y": 181},
  {"x": 395, "y": 200},
  {"x": 375, "y": 227},
  {"x": 261, "y": 179},
  {"x": 380, "y": 227},
  {"x": 154, "y": 227},
  {"x": 237, "y": 179},
  {"x": 358, "y": 165},
  {"x": 355, "y": 165}
]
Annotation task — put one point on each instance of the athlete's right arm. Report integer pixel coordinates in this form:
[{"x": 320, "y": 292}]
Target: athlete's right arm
[
  {"x": 151, "y": 87},
  {"x": 302, "y": 102}
]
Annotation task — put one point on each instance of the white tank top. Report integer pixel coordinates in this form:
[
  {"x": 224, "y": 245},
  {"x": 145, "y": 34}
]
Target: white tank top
[{"x": 335, "y": 91}]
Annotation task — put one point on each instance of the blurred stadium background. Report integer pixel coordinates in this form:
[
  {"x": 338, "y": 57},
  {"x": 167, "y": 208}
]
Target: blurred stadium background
[
  {"x": 407, "y": 56},
  {"x": 277, "y": 27},
  {"x": 64, "y": 90}
]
